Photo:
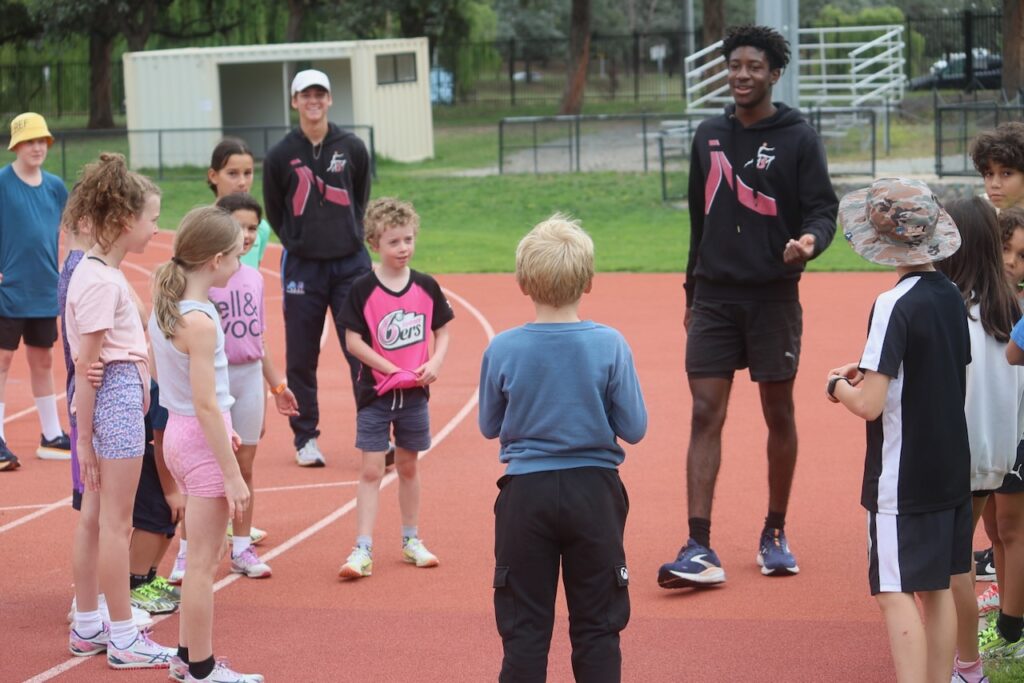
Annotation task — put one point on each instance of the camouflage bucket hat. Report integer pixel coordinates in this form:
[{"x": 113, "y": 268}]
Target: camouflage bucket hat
[{"x": 898, "y": 222}]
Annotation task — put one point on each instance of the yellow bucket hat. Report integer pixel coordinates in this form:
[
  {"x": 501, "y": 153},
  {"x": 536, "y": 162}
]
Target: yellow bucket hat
[{"x": 29, "y": 126}]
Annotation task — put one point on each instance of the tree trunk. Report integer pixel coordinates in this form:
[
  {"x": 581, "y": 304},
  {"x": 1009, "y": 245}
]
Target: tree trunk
[
  {"x": 1013, "y": 47},
  {"x": 137, "y": 27},
  {"x": 714, "y": 21},
  {"x": 579, "y": 58},
  {"x": 101, "y": 114},
  {"x": 296, "y": 10}
]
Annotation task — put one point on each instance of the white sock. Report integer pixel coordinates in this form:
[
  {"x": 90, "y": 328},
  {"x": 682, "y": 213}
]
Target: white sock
[
  {"x": 123, "y": 633},
  {"x": 239, "y": 544},
  {"x": 182, "y": 547},
  {"x": 47, "y": 407},
  {"x": 88, "y": 624},
  {"x": 2, "y": 407}
]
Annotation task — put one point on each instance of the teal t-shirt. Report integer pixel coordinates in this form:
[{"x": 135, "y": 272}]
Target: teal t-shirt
[
  {"x": 255, "y": 255},
  {"x": 29, "y": 230}
]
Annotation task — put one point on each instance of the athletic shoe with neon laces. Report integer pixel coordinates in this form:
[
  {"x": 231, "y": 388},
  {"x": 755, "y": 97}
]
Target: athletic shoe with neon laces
[
  {"x": 309, "y": 455},
  {"x": 8, "y": 460},
  {"x": 249, "y": 564},
  {"x": 984, "y": 565},
  {"x": 358, "y": 564},
  {"x": 139, "y": 616},
  {"x": 988, "y": 601},
  {"x": 992, "y": 644},
  {"x": 695, "y": 566},
  {"x": 222, "y": 673},
  {"x": 57, "y": 448},
  {"x": 177, "y": 574},
  {"x": 773, "y": 554},
  {"x": 256, "y": 536},
  {"x": 143, "y": 653},
  {"x": 162, "y": 586},
  {"x": 153, "y": 601},
  {"x": 414, "y": 552},
  {"x": 81, "y": 646}
]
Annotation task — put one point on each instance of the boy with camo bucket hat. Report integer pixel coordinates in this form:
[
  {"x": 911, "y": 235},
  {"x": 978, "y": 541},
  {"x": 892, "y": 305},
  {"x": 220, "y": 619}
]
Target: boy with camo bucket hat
[{"x": 909, "y": 386}]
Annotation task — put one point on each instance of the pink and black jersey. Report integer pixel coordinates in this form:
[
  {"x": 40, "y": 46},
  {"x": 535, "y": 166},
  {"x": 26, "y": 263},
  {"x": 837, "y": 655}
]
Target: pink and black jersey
[{"x": 396, "y": 325}]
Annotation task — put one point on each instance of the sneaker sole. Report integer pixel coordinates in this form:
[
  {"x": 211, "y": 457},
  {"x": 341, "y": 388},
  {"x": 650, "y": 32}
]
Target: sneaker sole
[
  {"x": 310, "y": 463},
  {"x": 115, "y": 663},
  {"x": 705, "y": 579},
  {"x": 78, "y": 653},
  {"x": 52, "y": 454},
  {"x": 243, "y": 572},
  {"x": 426, "y": 565},
  {"x": 777, "y": 571},
  {"x": 347, "y": 572}
]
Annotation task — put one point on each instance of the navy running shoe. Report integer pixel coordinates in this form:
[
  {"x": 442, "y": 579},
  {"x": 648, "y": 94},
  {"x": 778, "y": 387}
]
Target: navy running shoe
[
  {"x": 8, "y": 460},
  {"x": 773, "y": 555},
  {"x": 694, "y": 567}
]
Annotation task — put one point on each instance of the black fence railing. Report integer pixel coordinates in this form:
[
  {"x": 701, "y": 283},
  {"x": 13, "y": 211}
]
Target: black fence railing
[
  {"x": 54, "y": 88},
  {"x": 958, "y": 123},
  {"x": 167, "y": 153},
  {"x": 965, "y": 48}
]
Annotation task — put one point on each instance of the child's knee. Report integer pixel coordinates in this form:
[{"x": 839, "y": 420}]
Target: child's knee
[
  {"x": 407, "y": 469},
  {"x": 372, "y": 472}
]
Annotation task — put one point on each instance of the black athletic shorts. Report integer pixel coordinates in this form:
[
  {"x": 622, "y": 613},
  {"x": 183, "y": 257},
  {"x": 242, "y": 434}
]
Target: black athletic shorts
[
  {"x": 910, "y": 553},
  {"x": 1013, "y": 482},
  {"x": 151, "y": 513},
  {"x": 725, "y": 336},
  {"x": 40, "y": 332}
]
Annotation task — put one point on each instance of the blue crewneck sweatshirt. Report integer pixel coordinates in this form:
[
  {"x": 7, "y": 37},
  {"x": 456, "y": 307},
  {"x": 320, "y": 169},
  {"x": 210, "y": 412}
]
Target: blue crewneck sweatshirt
[{"x": 559, "y": 396}]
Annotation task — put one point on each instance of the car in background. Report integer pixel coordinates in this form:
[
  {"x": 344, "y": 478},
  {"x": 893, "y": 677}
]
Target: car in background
[{"x": 949, "y": 72}]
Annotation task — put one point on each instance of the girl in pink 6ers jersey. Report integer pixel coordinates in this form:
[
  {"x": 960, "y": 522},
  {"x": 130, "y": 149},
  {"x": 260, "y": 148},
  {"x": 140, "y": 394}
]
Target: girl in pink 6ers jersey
[{"x": 396, "y": 324}]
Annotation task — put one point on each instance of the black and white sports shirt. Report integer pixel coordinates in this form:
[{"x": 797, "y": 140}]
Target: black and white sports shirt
[{"x": 918, "y": 458}]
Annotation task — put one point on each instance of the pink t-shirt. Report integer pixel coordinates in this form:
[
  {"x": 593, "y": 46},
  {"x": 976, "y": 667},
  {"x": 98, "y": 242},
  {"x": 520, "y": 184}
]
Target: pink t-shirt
[
  {"x": 240, "y": 305},
  {"x": 99, "y": 298}
]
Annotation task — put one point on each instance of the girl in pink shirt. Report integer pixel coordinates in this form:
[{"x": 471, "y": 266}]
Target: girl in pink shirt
[{"x": 103, "y": 325}]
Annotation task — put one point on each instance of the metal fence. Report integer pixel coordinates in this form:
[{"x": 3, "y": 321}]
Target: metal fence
[
  {"x": 54, "y": 88},
  {"x": 958, "y": 123},
  {"x": 970, "y": 33},
  {"x": 168, "y": 153}
]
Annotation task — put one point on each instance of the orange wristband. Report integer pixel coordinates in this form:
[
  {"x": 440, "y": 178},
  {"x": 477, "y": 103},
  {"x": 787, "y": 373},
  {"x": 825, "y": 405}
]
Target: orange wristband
[{"x": 279, "y": 389}]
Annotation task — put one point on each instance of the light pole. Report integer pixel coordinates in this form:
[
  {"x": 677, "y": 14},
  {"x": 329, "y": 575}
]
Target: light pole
[{"x": 784, "y": 17}]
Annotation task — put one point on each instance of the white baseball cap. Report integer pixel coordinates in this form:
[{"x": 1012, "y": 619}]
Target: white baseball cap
[{"x": 308, "y": 79}]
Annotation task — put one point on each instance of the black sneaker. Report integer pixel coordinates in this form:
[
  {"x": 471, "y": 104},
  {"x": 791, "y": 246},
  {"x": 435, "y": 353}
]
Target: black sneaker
[
  {"x": 8, "y": 460},
  {"x": 57, "y": 448},
  {"x": 984, "y": 565},
  {"x": 389, "y": 456}
]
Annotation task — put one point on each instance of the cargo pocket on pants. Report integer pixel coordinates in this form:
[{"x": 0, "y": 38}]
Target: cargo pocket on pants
[
  {"x": 618, "y": 605},
  {"x": 504, "y": 603}
]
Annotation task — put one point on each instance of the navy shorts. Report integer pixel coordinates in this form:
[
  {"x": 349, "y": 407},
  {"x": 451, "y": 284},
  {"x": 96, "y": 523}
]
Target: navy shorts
[
  {"x": 39, "y": 332},
  {"x": 1013, "y": 482},
  {"x": 910, "y": 553},
  {"x": 151, "y": 512},
  {"x": 725, "y": 336},
  {"x": 406, "y": 409}
]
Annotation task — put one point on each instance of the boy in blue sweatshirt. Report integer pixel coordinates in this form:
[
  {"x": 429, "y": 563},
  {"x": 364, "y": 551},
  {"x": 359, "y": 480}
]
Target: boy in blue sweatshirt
[{"x": 559, "y": 393}]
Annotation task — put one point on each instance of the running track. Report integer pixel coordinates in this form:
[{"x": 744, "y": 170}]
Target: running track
[{"x": 437, "y": 625}]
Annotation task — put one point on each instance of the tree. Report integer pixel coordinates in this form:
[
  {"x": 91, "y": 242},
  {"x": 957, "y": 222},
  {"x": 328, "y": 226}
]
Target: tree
[
  {"x": 579, "y": 57},
  {"x": 16, "y": 23},
  {"x": 1013, "y": 47},
  {"x": 714, "y": 21}
]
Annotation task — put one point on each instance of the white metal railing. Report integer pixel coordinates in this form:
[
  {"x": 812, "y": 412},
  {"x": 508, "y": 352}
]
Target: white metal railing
[{"x": 835, "y": 69}]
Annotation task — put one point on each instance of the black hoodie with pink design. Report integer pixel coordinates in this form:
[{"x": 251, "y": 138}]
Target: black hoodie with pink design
[
  {"x": 315, "y": 197},
  {"x": 751, "y": 191}
]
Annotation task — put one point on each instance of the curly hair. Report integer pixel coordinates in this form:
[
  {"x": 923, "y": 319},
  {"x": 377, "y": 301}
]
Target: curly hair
[
  {"x": 768, "y": 40},
  {"x": 1010, "y": 221},
  {"x": 388, "y": 212},
  {"x": 240, "y": 201},
  {"x": 109, "y": 196},
  {"x": 1004, "y": 145}
]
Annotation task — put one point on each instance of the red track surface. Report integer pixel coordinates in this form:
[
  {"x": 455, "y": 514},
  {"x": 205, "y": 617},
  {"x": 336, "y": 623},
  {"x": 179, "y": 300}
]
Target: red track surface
[{"x": 437, "y": 625}]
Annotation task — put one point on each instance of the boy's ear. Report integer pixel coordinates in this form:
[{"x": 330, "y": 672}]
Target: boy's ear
[
  {"x": 590, "y": 286},
  {"x": 522, "y": 288}
]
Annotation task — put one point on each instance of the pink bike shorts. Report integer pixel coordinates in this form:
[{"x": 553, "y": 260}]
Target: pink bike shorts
[{"x": 190, "y": 459}]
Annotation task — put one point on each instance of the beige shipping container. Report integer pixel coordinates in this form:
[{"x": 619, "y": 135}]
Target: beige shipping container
[{"x": 179, "y": 103}]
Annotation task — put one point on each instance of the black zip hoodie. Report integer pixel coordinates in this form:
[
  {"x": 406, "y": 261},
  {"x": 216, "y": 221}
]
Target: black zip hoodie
[
  {"x": 315, "y": 204},
  {"x": 751, "y": 191}
]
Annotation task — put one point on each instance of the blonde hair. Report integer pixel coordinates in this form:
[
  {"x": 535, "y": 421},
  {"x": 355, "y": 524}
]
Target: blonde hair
[
  {"x": 388, "y": 212},
  {"x": 109, "y": 196},
  {"x": 202, "y": 234},
  {"x": 555, "y": 261}
]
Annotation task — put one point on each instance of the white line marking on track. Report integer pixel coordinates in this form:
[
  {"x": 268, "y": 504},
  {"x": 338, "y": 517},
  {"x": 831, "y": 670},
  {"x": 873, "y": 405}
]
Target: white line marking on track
[
  {"x": 324, "y": 522},
  {"x": 38, "y": 513}
]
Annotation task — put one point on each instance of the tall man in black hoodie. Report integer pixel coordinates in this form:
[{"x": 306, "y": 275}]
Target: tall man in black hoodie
[
  {"x": 761, "y": 206},
  {"x": 316, "y": 183}
]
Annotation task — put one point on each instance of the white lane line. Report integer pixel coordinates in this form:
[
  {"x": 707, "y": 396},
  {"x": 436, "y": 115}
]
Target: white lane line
[
  {"x": 38, "y": 513},
  {"x": 324, "y": 522}
]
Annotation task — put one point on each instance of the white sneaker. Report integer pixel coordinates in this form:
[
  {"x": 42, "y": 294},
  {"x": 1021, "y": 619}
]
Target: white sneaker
[
  {"x": 249, "y": 564},
  {"x": 140, "y": 617},
  {"x": 309, "y": 455},
  {"x": 414, "y": 552},
  {"x": 358, "y": 564},
  {"x": 177, "y": 574},
  {"x": 222, "y": 673},
  {"x": 143, "y": 653}
]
